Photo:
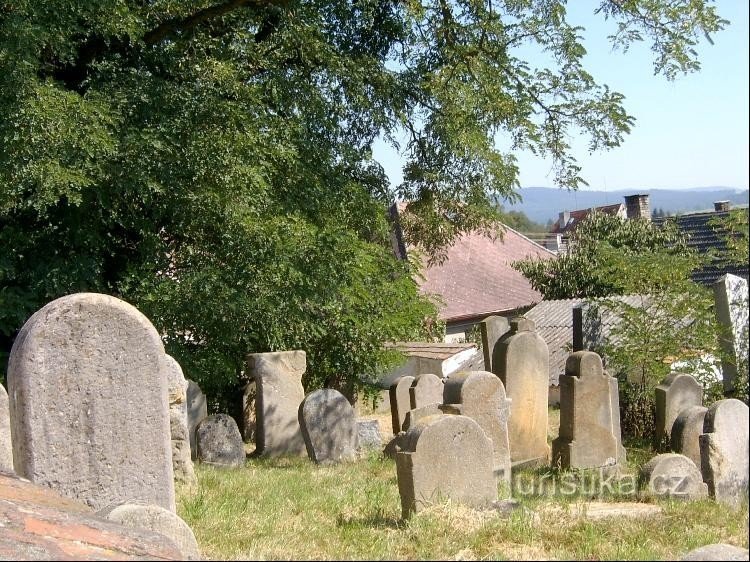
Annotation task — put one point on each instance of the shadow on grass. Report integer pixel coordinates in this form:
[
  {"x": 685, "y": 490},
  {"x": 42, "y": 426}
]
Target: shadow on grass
[{"x": 378, "y": 521}]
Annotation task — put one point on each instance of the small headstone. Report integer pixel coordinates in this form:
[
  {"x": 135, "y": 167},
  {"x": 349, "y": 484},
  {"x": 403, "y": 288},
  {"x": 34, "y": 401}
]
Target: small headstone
[
  {"x": 6, "y": 447},
  {"x": 278, "y": 380},
  {"x": 670, "y": 475},
  {"x": 480, "y": 395},
  {"x": 219, "y": 441},
  {"x": 731, "y": 309},
  {"x": 719, "y": 551},
  {"x": 182, "y": 464},
  {"x": 521, "y": 360},
  {"x": 197, "y": 411},
  {"x": 329, "y": 426},
  {"x": 413, "y": 416},
  {"x": 686, "y": 432},
  {"x": 675, "y": 393},
  {"x": 398, "y": 394},
  {"x": 614, "y": 408},
  {"x": 445, "y": 457},
  {"x": 89, "y": 414},
  {"x": 249, "y": 396},
  {"x": 426, "y": 389},
  {"x": 155, "y": 518},
  {"x": 493, "y": 328},
  {"x": 587, "y": 435},
  {"x": 368, "y": 435},
  {"x": 724, "y": 451}
]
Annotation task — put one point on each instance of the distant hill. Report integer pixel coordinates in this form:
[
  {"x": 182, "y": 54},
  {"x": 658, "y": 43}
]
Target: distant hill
[{"x": 541, "y": 204}]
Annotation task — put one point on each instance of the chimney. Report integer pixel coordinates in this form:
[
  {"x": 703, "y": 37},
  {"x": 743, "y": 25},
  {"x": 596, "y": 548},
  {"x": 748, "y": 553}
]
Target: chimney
[
  {"x": 721, "y": 206},
  {"x": 637, "y": 206},
  {"x": 564, "y": 218}
]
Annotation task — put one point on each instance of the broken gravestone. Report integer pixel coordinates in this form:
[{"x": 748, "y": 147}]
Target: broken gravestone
[
  {"x": 686, "y": 432},
  {"x": 6, "y": 447},
  {"x": 426, "y": 389},
  {"x": 329, "y": 426},
  {"x": 219, "y": 441},
  {"x": 197, "y": 411},
  {"x": 400, "y": 400},
  {"x": 673, "y": 395},
  {"x": 670, "y": 475},
  {"x": 493, "y": 328},
  {"x": 182, "y": 464}
]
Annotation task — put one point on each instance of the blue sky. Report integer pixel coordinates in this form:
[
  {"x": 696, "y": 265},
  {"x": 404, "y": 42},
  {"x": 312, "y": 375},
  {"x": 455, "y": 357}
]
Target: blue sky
[{"x": 691, "y": 132}]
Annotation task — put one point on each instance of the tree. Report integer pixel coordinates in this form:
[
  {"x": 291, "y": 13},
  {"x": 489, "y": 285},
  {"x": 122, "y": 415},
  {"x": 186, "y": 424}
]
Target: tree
[{"x": 210, "y": 161}]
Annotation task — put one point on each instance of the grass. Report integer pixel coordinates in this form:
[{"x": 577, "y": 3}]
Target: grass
[{"x": 293, "y": 509}]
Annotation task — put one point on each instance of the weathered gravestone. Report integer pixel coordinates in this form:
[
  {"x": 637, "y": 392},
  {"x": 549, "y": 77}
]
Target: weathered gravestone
[
  {"x": 718, "y": 551},
  {"x": 400, "y": 400},
  {"x": 249, "y": 422},
  {"x": 219, "y": 441},
  {"x": 673, "y": 476},
  {"x": 279, "y": 392},
  {"x": 368, "y": 435},
  {"x": 731, "y": 309},
  {"x": 480, "y": 395},
  {"x": 87, "y": 382},
  {"x": 676, "y": 393},
  {"x": 724, "y": 451},
  {"x": 329, "y": 426},
  {"x": 157, "y": 519},
  {"x": 6, "y": 447},
  {"x": 521, "y": 360},
  {"x": 182, "y": 464},
  {"x": 686, "y": 432},
  {"x": 587, "y": 434},
  {"x": 445, "y": 457},
  {"x": 426, "y": 389},
  {"x": 197, "y": 411},
  {"x": 493, "y": 328}
]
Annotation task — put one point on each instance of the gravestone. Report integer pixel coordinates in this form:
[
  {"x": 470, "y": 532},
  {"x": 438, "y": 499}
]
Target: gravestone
[
  {"x": 426, "y": 389},
  {"x": 587, "y": 434},
  {"x": 731, "y": 309},
  {"x": 614, "y": 408},
  {"x": 182, "y": 464},
  {"x": 197, "y": 411},
  {"x": 676, "y": 392},
  {"x": 445, "y": 457},
  {"x": 686, "y": 432},
  {"x": 368, "y": 435},
  {"x": 400, "y": 400},
  {"x": 493, "y": 328},
  {"x": 718, "y": 551},
  {"x": 480, "y": 395},
  {"x": 329, "y": 426},
  {"x": 675, "y": 476},
  {"x": 6, "y": 447},
  {"x": 249, "y": 394},
  {"x": 219, "y": 441},
  {"x": 87, "y": 382},
  {"x": 279, "y": 392},
  {"x": 413, "y": 416},
  {"x": 155, "y": 518},
  {"x": 724, "y": 451},
  {"x": 521, "y": 360}
]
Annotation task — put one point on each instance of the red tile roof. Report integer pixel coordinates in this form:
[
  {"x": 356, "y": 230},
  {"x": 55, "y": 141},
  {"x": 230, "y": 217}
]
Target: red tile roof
[{"x": 581, "y": 214}]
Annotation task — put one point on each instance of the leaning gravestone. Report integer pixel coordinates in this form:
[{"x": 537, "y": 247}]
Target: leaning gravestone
[
  {"x": 493, "y": 328},
  {"x": 686, "y": 432},
  {"x": 400, "y": 400},
  {"x": 219, "y": 441},
  {"x": 670, "y": 475},
  {"x": 197, "y": 411},
  {"x": 724, "y": 451},
  {"x": 182, "y": 464},
  {"x": 521, "y": 360},
  {"x": 279, "y": 392},
  {"x": 480, "y": 395},
  {"x": 6, "y": 448},
  {"x": 426, "y": 389},
  {"x": 329, "y": 426},
  {"x": 676, "y": 393},
  {"x": 87, "y": 384},
  {"x": 587, "y": 434},
  {"x": 445, "y": 457}
]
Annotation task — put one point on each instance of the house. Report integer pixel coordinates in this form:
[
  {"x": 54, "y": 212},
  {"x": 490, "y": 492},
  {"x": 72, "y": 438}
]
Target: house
[{"x": 476, "y": 279}]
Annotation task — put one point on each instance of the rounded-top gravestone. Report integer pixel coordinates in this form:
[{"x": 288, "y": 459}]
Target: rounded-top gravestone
[
  {"x": 88, "y": 402},
  {"x": 673, "y": 476},
  {"x": 219, "y": 441},
  {"x": 329, "y": 426}
]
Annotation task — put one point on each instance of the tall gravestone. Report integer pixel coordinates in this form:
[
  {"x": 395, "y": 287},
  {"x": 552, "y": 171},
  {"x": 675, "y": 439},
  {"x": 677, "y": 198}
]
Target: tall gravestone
[
  {"x": 278, "y": 380},
  {"x": 182, "y": 464},
  {"x": 587, "y": 434},
  {"x": 676, "y": 392},
  {"x": 6, "y": 447},
  {"x": 731, "y": 309},
  {"x": 89, "y": 413},
  {"x": 724, "y": 451},
  {"x": 521, "y": 360},
  {"x": 197, "y": 411},
  {"x": 445, "y": 457},
  {"x": 426, "y": 389},
  {"x": 400, "y": 400},
  {"x": 329, "y": 426},
  {"x": 493, "y": 328},
  {"x": 686, "y": 432},
  {"x": 480, "y": 395}
]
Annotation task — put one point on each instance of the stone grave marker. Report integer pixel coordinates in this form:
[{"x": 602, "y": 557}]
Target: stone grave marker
[
  {"x": 425, "y": 389},
  {"x": 368, "y": 435},
  {"x": 400, "y": 400},
  {"x": 674, "y": 394},
  {"x": 87, "y": 382},
  {"x": 718, "y": 551},
  {"x": 197, "y": 411},
  {"x": 329, "y": 426},
  {"x": 219, "y": 441},
  {"x": 249, "y": 395},
  {"x": 686, "y": 432},
  {"x": 731, "y": 309},
  {"x": 675, "y": 476},
  {"x": 182, "y": 464},
  {"x": 493, "y": 328},
  {"x": 6, "y": 447}
]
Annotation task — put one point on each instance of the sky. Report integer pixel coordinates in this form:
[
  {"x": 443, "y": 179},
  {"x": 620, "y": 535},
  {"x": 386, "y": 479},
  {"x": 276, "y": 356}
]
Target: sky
[{"x": 690, "y": 132}]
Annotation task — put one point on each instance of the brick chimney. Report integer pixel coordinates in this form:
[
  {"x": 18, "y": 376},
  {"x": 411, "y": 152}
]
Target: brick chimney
[
  {"x": 721, "y": 206},
  {"x": 637, "y": 207}
]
